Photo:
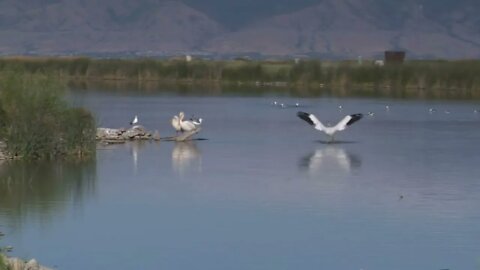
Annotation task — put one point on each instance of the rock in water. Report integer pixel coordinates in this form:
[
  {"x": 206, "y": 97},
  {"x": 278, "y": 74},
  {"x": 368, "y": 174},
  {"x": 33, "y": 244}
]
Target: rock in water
[
  {"x": 135, "y": 132},
  {"x": 108, "y": 134},
  {"x": 19, "y": 264},
  {"x": 32, "y": 265},
  {"x": 187, "y": 136},
  {"x": 156, "y": 135},
  {"x": 15, "y": 264}
]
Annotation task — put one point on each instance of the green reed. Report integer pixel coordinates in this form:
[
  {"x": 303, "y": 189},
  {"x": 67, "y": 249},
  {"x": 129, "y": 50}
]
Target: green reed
[
  {"x": 413, "y": 78},
  {"x": 35, "y": 120}
]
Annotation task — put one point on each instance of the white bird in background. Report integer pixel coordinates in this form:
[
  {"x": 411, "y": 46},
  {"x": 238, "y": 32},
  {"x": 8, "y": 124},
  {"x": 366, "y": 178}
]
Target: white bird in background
[
  {"x": 275, "y": 103},
  {"x": 371, "y": 113},
  {"x": 330, "y": 131},
  {"x": 196, "y": 121},
  {"x": 297, "y": 104},
  {"x": 340, "y": 107},
  {"x": 176, "y": 124},
  {"x": 432, "y": 110},
  {"x": 134, "y": 121},
  {"x": 387, "y": 108},
  {"x": 186, "y": 125}
]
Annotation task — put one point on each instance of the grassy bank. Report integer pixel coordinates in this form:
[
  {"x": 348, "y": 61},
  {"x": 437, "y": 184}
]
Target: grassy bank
[
  {"x": 3, "y": 250},
  {"x": 36, "y": 122},
  {"x": 3, "y": 265},
  {"x": 413, "y": 78}
]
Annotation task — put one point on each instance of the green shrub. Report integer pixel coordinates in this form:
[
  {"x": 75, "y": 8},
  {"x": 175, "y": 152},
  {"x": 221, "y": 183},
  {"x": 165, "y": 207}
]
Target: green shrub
[
  {"x": 36, "y": 121},
  {"x": 3, "y": 265}
]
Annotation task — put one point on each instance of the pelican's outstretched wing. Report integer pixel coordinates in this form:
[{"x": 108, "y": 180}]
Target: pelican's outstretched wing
[
  {"x": 347, "y": 121},
  {"x": 311, "y": 119}
]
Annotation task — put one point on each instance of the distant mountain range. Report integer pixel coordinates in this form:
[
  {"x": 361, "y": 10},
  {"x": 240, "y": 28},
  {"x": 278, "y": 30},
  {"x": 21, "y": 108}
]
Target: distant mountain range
[{"x": 324, "y": 28}]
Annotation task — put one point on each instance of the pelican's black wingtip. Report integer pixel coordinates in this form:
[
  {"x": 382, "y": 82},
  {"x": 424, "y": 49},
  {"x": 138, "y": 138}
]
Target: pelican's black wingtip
[
  {"x": 357, "y": 115},
  {"x": 301, "y": 113},
  {"x": 355, "y": 118},
  {"x": 306, "y": 117}
]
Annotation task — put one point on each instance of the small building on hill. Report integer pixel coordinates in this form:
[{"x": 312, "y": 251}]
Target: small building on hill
[{"x": 394, "y": 57}]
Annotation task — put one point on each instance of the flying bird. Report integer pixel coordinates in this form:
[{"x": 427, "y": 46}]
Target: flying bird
[{"x": 330, "y": 131}]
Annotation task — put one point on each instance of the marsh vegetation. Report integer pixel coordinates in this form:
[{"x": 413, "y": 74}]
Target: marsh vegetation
[
  {"x": 36, "y": 121},
  {"x": 428, "y": 79}
]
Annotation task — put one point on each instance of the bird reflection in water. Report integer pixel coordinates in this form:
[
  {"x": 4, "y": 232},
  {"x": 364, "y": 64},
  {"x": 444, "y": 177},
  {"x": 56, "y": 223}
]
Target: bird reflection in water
[
  {"x": 135, "y": 147},
  {"x": 330, "y": 158},
  {"x": 186, "y": 157}
]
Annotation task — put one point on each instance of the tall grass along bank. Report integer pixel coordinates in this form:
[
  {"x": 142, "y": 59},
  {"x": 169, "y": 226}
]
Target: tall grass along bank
[
  {"x": 36, "y": 122},
  {"x": 456, "y": 79}
]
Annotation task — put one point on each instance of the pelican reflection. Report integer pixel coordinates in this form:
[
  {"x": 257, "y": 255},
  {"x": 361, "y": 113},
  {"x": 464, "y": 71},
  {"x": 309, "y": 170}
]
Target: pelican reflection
[
  {"x": 186, "y": 156},
  {"x": 330, "y": 158}
]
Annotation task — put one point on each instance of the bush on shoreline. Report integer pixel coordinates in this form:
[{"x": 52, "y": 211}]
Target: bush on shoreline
[
  {"x": 35, "y": 121},
  {"x": 3, "y": 264}
]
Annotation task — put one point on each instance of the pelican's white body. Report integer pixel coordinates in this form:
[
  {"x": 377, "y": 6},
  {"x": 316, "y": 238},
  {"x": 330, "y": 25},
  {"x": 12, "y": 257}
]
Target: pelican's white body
[
  {"x": 186, "y": 125},
  {"x": 176, "y": 123}
]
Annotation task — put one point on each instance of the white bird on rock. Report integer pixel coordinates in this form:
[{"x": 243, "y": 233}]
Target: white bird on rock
[
  {"x": 176, "y": 124},
  {"x": 196, "y": 121},
  {"x": 134, "y": 121}
]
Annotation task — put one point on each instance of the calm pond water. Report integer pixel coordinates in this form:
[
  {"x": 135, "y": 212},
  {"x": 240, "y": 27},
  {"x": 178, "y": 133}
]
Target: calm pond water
[{"x": 400, "y": 191}]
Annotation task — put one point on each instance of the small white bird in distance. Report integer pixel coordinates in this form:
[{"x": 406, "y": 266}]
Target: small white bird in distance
[
  {"x": 196, "y": 121},
  {"x": 134, "y": 121},
  {"x": 330, "y": 131}
]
